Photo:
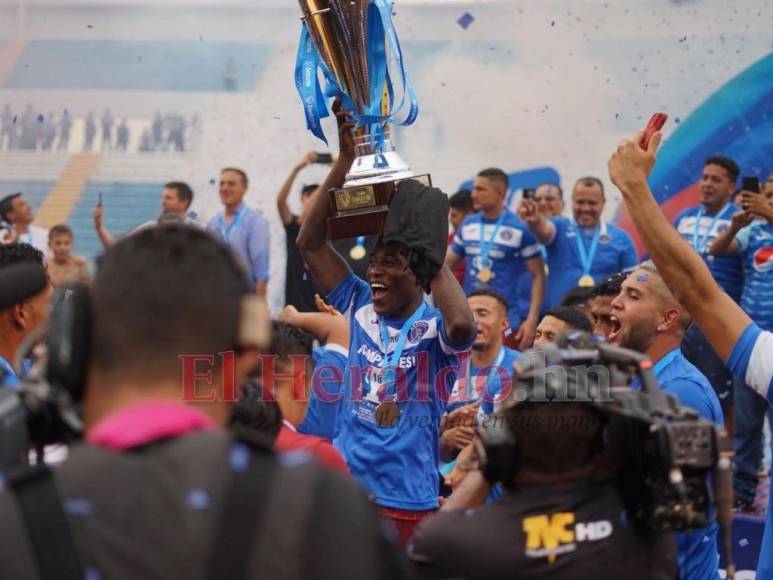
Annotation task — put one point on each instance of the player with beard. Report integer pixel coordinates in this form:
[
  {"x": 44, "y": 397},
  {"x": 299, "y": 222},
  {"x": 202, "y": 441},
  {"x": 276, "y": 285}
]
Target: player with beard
[
  {"x": 388, "y": 424},
  {"x": 647, "y": 318}
]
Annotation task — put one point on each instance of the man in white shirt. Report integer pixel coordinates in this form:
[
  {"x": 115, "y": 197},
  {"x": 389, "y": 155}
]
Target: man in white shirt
[{"x": 16, "y": 213}]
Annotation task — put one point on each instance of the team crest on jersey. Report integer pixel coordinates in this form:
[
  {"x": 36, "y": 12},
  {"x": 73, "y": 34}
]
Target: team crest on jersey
[
  {"x": 763, "y": 260},
  {"x": 506, "y": 235},
  {"x": 722, "y": 228},
  {"x": 418, "y": 330}
]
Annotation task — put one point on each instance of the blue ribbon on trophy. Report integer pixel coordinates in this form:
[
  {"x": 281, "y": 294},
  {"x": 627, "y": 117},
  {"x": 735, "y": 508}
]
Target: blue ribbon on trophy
[{"x": 352, "y": 43}]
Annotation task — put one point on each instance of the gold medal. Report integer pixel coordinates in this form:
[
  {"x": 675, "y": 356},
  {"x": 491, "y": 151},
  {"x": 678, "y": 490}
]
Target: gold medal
[
  {"x": 485, "y": 275},
  {"x": 387, "y": 414},
  {"x": 357, "y": 252},
  {"x": 587, "y": 281}
]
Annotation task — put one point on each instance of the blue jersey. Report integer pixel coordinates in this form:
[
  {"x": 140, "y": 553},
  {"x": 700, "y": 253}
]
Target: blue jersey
[
  {"x": 752, "y": 362},
  {"x": 489, "y": 384},
  {"x": 398, "y": 465},
  {"x": 725, "y": 269},
  {"x": 512, "y": 245},
  {"x": 756, "y": 242},
  {"x": 698, "y": 557},
  {"x": 326, "y": 391},
  {"x": 615, "y": 253}
]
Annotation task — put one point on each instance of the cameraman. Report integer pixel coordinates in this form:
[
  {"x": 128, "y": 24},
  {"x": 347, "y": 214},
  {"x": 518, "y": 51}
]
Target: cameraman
[
  {"x": 158, "y": 490},
  {"x": 559, "y": 517}
]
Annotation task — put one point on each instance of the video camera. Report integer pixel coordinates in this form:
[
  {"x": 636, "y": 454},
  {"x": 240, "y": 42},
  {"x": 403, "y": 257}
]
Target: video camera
[
  {"x": 44, "y": 408},
  {"x": 663, "y": 455}
]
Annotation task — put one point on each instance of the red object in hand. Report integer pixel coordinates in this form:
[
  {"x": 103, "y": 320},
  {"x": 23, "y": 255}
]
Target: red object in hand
[{"x": 656, "y": 124}]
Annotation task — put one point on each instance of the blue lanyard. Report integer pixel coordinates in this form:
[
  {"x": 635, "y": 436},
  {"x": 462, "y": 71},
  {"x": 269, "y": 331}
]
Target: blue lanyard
[
  {"x": 228, "y": 233},
  {"x": 587, "y": 257},
  {"x": 698, "y": 243},
  {"x": 390, "y": 362},
  {"x": 7, "y": 373},
  {"x": 485, "y": 247}
]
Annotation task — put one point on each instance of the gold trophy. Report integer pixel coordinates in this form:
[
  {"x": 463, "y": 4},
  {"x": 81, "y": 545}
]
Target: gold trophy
[{"x": 338, "y": 31}]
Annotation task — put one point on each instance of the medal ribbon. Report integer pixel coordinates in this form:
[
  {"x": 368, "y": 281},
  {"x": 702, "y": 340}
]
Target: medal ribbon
[
  {"x": 587, "y": 256},
  {"x": 485, "y": 247},
  {"x": 228, "y": 233},
  {"x": 390, "y": 362},
  {"x": 699, "y": 243}
]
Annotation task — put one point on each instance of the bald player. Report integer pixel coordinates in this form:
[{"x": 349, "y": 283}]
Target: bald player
[{"x": 647, "y": 318}]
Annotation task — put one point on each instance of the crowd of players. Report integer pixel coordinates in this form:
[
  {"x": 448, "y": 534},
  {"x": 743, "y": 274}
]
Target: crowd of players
[{"x": 385, "y": 363}]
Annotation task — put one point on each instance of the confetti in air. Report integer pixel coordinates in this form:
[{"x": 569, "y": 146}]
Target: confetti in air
[{"x": 465, "y": 20}]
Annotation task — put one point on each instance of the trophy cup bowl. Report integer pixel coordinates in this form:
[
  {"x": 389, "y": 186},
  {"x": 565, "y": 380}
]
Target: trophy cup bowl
[{"x": 338, "y": 30}]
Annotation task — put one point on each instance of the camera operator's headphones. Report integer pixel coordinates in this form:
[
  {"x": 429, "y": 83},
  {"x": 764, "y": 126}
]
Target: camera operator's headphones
[{"x": 69, "y": 335}]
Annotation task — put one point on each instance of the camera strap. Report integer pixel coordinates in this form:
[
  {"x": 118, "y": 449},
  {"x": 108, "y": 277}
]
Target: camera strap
[
  {"x": 48, "y": 531},
  {"x": 265, "y": 505}
]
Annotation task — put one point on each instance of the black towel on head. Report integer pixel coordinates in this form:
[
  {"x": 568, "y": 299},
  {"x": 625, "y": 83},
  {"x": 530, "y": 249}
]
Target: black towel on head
[{"x": 418, "y": 219}]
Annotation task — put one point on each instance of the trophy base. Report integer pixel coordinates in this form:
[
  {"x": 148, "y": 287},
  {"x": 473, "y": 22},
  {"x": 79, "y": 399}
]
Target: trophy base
[{"x": 361, "y": 210}]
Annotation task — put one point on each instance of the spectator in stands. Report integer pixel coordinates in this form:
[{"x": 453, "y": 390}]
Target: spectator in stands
[
  {"x": 230, "y": 75},
  {"x": 90, "y": 131},
  {"x": 7, "y": 128},
  {"x": 499, "y": 249},
  {"x": 461, "y": 207},
  {"x": 583, "y": 249},
  {"x": 647, "y": 318},
  {"x": 65, "y": 127},
  {"x": 175, "y": 125},
  {"x": 163, "y": 466},
  {"x": 176, "y": 198},
  {"x": 601, "y": 303},
  {"x": 20, "y": 320},
  {"x": 157, "y": 128},
  {"x": 122, "y": 136},
  {"x": 300, "y": 286},
  {"x": 64, "y": 267},
  {"x": 288, "y": 377},
  {"x": 107, "y": 122},
  {"x": 28, "y": 136},
  {"x": 750, "y": 237},
  {"x": 699, "y": 226},
  {"x": 16, "y": 211},
  {"x": 48, "y": 132},
  {"x": 146, "y": 142},
  {"x": 557, "y": 321},
  {"x": 242, "y": 229},
  {"x": 549, "y": 198}
]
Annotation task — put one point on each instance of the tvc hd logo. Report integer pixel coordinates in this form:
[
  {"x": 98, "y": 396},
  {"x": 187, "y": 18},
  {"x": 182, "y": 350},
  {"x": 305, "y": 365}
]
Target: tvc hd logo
[{"x": 550, "y": 535}]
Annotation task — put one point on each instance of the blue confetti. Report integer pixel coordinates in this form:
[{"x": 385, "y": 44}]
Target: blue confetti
[
  {"x": 40, "y": 118},
  {"x": 14, "y": 119},
  {"x": 552, "y": 23},
  {"x": 643, "y": 278},
  {"x": 239, "y": 458},
  {"x": 617, "y": 115},
  {"x": 78, "y": 507},
  {"x": 2, "y": 483},
  {"x": 743, "y": 542},
  {"x": 465, "y": 20},
  {"x": 198, "y": 499},
  {"x": 212, "y": 181},
  {"x": 677, "y": 120},
  {"x": 92, "y": 574}
]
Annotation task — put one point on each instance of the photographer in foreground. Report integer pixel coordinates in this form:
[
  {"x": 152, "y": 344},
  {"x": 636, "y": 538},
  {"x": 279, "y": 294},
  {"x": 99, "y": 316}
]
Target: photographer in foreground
[{"x": 158, "y": 490}]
